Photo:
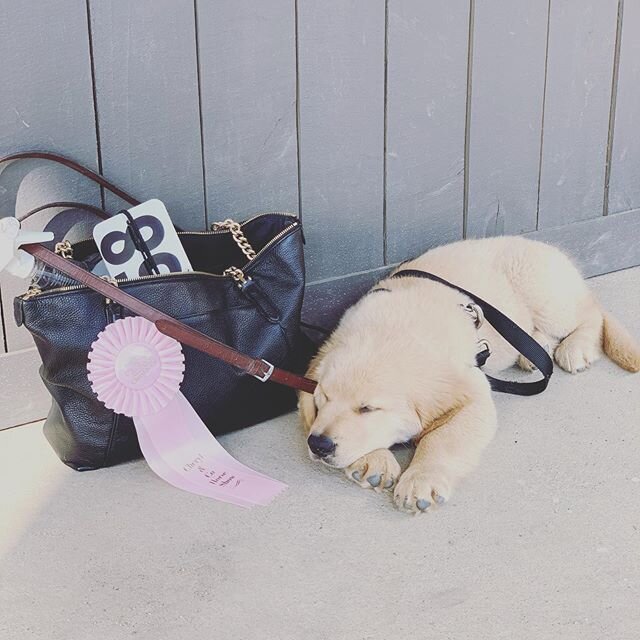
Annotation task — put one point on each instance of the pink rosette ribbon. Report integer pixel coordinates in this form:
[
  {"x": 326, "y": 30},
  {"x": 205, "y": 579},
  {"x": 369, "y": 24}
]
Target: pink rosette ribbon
[{"x": 137, "y": 371}]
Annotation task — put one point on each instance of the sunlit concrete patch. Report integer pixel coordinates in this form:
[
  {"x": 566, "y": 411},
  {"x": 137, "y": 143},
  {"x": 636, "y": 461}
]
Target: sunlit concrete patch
[
  {"x": 540, "y": 542},
  {"x": 30, "y": 475}
]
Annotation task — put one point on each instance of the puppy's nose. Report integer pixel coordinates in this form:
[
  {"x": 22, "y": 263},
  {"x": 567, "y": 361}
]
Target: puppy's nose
[{"x": 322, "y": 446}]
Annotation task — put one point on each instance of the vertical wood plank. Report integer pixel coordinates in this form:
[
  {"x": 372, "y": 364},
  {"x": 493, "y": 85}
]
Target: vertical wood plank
[
  {"x": 248, "y": 80},
  {"x": 147, "y": 102},
  {"x": 46, "y": 102},
  {"x": 624, "y": 184},
  {"x": 576, "y": 117},
  {"x": 23, "y": 396},
  {"x": 508, "y": 68},
  {"x": 426, "y": 106},
  {"x": 341, "y": 75}
]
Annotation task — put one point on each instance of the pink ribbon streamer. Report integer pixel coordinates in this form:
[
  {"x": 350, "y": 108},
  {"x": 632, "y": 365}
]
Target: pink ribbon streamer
[{"x": 137, "y": 371}]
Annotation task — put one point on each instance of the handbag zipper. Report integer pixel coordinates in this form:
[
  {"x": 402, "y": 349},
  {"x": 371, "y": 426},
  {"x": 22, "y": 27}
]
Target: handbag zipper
[
  {"x": 286, "y": 214},
  {"x": 212, "y": 232},
  {"x": 30, "y": 294}
]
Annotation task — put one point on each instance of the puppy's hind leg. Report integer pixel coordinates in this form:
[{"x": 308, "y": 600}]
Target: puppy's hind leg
[
  {"x": 583, "y": 346},
  {"x": 560, "y": 303}
]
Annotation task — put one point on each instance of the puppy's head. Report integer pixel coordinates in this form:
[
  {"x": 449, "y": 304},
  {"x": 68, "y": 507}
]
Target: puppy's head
[
  {"x": 346, "y": 420},
  {"x": 384, "y": 377}
]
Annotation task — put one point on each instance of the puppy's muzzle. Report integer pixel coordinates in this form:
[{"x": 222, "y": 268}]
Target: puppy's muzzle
[{"x": 322, "y": 446}]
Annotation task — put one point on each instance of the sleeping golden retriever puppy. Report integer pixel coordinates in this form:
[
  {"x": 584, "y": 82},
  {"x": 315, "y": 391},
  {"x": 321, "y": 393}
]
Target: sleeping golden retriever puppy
[{"x": 401, "y": 364}]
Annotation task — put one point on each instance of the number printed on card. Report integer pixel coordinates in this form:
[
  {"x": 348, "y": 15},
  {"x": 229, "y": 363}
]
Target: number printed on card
[{"x": 119, "y": 252}]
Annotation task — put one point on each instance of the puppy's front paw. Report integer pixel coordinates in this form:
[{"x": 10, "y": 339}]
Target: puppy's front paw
[
  {"x": 419, "y": 488},
  {"x": 377, "y": 470}
]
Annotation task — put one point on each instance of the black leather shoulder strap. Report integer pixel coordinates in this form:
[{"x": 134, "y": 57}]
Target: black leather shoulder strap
[{"x": 509, "y": 330}]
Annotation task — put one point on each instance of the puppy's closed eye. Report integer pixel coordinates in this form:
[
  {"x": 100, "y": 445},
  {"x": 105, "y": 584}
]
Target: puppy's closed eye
[{"x": 366, "y": 408}]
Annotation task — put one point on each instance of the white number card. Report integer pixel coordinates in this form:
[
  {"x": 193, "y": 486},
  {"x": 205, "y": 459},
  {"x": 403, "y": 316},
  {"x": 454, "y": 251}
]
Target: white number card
[{"x": 119, "y": 252}]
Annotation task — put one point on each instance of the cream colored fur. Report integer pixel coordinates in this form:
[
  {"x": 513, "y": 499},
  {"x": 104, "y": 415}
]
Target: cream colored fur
[{"x": 401, "y": 363}]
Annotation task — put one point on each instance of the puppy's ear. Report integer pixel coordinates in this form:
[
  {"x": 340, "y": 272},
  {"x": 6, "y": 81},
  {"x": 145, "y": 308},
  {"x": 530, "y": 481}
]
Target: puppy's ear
[
  {"x": 307, "y": 401},
  {"x": 307, "y": 407}
]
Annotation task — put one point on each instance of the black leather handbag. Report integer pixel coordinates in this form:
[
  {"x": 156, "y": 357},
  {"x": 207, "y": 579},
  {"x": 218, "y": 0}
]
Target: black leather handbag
[{"x": 246, "y": 291}]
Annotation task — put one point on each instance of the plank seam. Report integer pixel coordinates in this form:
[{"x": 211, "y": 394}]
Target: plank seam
[
  {"x": 23, "y": 424},
  {"x": 352, "y": 275},
  {"x": 384, "y": 133},
  {"x": 200, "y": 117},
  {"x": 544, "y": 105},
  {"x": 612, "y": 107},
  {"x": 467, "y": 120},
  {"x": 94, "y": 93},
  {"x": 3, "y": 326},
  {"x": 297, "y": 54}
]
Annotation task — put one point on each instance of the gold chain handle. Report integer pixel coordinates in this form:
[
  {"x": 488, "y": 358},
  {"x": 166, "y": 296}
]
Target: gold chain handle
[
  {"x": 242, "y": 242},
  {"x": 239, "y": 237}
]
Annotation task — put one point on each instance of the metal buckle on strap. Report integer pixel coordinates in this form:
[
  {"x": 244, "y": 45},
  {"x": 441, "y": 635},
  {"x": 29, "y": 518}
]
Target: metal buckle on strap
[
  {"x": 483, "y": 352},
  {"x": 484, "y": 345},
  {"x": 475, "y": 311},
  {"x": 265, "y": 376}
]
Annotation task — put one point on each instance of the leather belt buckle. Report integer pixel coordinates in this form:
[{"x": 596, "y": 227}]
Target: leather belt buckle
[{"x": 267, "y": 374}]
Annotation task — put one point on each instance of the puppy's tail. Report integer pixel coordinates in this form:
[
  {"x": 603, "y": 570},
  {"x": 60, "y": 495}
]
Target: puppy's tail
[{"x": 619, "y": 345}]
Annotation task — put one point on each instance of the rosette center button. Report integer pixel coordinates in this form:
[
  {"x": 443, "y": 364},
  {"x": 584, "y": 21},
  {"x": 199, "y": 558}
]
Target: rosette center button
[{"x": 138, "y": 366}]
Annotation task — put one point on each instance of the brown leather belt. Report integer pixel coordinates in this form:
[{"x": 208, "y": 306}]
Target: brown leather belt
[
  {"x": 260, "y": 369},
  {"x": 74, "y": 166}
]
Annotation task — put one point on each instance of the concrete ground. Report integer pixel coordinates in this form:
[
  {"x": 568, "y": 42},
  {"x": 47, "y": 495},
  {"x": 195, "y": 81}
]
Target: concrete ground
[{"x": 543, "y": 541}]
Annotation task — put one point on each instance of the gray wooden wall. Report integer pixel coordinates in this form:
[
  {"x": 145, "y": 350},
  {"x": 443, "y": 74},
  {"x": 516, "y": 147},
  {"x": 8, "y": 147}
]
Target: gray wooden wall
[{"x": 390, "y": 126}]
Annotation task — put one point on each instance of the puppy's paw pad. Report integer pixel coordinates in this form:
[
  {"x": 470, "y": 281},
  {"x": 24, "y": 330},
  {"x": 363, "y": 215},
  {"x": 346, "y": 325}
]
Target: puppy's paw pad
[
  {"x": 374, "y": 480},
  {"x": 417, "y": 491},
  {"x": 575, "y": 355},
  {"x": 377, "y": 470}
]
